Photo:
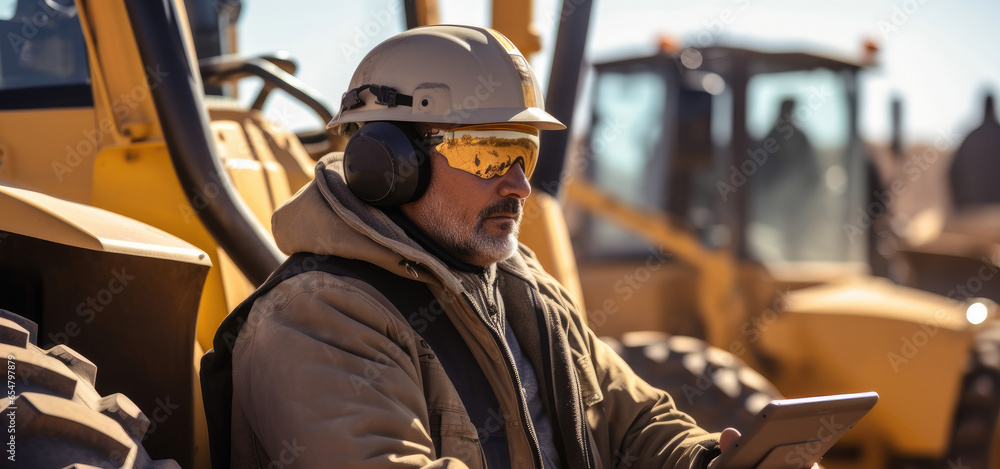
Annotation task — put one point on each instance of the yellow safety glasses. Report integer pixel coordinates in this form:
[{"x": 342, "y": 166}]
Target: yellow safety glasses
[{"x": 487, "y": 150}]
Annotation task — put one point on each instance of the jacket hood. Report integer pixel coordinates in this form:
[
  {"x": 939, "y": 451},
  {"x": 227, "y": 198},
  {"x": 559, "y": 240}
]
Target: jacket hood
[{"x": 326, "y": 218}]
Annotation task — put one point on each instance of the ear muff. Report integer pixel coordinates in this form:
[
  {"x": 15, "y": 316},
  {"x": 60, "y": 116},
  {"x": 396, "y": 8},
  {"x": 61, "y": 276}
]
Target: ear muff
[{"x": 386, "y": 164}]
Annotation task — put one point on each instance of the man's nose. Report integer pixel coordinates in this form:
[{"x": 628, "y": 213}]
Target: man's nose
[{"x": 514, "y": 183}]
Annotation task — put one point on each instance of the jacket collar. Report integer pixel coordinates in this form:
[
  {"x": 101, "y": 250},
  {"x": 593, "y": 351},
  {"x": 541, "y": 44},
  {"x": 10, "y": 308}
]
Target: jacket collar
[{"x": 428, "y": 243}]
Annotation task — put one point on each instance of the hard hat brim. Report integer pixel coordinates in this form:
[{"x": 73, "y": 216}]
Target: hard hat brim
[{"x": 532, "y": 116}]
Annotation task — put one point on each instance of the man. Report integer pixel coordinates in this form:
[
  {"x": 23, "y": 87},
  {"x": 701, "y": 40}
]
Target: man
[{"x": 441, "y": 342}]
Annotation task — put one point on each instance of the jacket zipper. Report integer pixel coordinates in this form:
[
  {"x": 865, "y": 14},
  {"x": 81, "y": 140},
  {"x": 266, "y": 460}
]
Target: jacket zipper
[
  {"x": 512, "y": 370},
  {"x": 547, "y": 343}
]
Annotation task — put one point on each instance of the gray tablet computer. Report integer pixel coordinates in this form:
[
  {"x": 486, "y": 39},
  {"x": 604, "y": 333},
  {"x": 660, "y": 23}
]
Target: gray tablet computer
[{"x": 795, "y": 433}]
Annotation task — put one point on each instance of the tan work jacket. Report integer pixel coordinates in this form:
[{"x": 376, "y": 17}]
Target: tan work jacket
[{"x": 327, "y": 373}]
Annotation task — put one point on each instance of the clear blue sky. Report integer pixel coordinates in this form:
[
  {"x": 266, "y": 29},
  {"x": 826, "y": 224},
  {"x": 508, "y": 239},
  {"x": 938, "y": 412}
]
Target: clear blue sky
[{"x": 939, "y": 56}]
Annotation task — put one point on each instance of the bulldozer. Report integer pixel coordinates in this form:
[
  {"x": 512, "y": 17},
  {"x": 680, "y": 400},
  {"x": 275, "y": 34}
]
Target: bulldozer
[
  {"x": 137, "y": 193},
  {"x": 125, "y": 234},
  {"x": 725, "y": 194}
]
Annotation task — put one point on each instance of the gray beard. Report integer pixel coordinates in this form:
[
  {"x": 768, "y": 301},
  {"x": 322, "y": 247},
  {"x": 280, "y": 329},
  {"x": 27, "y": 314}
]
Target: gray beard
[{"x": 471, "y": 243}]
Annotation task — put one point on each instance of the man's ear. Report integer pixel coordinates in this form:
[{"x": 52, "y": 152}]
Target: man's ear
[{"x": 386, "y": 164}]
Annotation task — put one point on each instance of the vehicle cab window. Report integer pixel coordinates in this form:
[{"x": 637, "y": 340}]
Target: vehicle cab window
[
  {"x": 626, "y": 150},
  {"x": 42, "y": 55},
  {"x": 806, "y": 187}
]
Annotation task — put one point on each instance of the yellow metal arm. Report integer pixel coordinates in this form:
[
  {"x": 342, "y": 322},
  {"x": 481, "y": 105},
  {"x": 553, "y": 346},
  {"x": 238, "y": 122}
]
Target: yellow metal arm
[{"x": 717, "y": 294}]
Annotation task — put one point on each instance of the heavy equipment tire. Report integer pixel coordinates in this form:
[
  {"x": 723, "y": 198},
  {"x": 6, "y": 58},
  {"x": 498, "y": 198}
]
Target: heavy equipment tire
[
  {"x": 53, "y": 415},
  {"x": 710, "y": 384},
  {"x": 974, "y": 432}
]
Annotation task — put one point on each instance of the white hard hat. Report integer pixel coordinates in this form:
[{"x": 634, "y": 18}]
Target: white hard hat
[{"x": 445, "y": 74}]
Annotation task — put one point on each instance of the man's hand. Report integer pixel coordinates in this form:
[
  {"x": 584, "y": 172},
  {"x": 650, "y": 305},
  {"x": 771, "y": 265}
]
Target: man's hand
[{"x": 727, "y": 438}]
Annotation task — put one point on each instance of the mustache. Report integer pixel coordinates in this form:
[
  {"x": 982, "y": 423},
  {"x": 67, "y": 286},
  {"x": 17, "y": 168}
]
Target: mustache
[{"x": 503, "y": 207}]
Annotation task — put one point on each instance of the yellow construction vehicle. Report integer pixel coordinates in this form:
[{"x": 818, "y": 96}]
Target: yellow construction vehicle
[
  {"x": 724, "y": 194},
  {"x": 136, "y": 212},
  {"x": 136, "y": 196},
  {"x": 952, "y": 250},
  {"x": 135, "y": 216}
]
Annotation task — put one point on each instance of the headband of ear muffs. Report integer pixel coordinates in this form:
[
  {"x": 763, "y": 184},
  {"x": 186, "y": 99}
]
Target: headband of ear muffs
[{"x": 387, "y": 164}]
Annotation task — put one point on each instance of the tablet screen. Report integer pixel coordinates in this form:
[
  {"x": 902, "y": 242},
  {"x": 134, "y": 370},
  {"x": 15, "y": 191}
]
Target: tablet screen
[{"x": 795, "y": 433}]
